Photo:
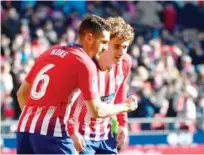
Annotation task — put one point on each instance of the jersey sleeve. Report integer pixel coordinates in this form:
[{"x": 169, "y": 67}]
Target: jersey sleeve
[
  {"x": 121, "y": 94},
  {"x": 31, "y": 74},
  {"x": 88, "y": 79}
]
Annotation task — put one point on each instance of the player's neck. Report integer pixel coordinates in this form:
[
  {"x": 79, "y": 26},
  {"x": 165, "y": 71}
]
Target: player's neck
[
  {"x": 84, "y": 47},
  {"x": 78, "y": 42},
  {"x": 102, "y": 63}
]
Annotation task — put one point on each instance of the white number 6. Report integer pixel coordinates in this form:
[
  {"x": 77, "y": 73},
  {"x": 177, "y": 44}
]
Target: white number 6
[{"x": 36, "y": 95}]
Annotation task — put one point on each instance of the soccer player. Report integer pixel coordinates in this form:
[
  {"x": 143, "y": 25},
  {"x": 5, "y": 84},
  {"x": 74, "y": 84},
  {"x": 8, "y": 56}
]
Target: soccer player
[
  {"x": 93, "y": 136},
  {"x": 52, "y": 85}
]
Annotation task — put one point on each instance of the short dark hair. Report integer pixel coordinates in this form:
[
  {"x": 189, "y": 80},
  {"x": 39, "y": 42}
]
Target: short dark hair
[{"x": 94, "y": 24}]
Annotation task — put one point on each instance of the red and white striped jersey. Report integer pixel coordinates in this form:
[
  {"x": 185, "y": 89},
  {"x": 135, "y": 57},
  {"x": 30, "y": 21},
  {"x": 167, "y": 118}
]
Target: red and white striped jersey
[
  {"x": 55, "y": 81},
  {"x": 112, "y": 90}
]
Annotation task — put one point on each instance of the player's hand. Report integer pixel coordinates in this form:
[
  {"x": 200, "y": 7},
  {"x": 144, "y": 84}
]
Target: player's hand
[
  {"x": 132, "y": 103},
  {"x": 79, "y": 142},
  {"x": 122, "y": 136}
]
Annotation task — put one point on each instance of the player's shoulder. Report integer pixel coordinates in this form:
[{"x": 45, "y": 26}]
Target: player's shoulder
[
  {"x": 80, "y": 55},
  {"x": 77, "y": 52},
  {"x": 74, "y": 54},
  {"x": 83, "y": 59},
  {"x": 86, "y": 61},
  {"x": 71, "y": 52}
]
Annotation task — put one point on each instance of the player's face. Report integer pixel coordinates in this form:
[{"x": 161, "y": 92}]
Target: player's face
[
  {"x": 117, "y": 49},
  {"x": 100, "y": 43}
]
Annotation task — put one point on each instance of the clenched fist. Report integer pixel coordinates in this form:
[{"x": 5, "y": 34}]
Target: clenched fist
[{"x": 132, "y": 103}]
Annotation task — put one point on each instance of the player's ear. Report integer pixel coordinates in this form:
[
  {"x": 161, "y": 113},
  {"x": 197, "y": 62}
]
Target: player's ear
[{"x": 89, "y": 38}]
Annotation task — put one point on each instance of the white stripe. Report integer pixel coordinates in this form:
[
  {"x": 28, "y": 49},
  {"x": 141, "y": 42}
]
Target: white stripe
[
  {"x": 25, "y": 119},
  {"x": 120, "y": 68},
  {"x": 67, "y": 113},
  {"x": 35, "y": 119},
  {"x": 66, "y": 117},
  {"x": 108, "y": 120},
  {"x": 57, "y": 130},
  {"x": 102, "y": 82},
  {"x": 73, "y": 96},
  {"x": 77, "y": 112},
  {"x": 112, "y": 89},
  {"x": 46, "y": 120},
  {"x": 119, "y": 76},
  {"x": 112, "y": 82},
  {"x": 87, "y": 123},
  {"x": 107, "y": 130},
  {"x": 97, "y": 127}
]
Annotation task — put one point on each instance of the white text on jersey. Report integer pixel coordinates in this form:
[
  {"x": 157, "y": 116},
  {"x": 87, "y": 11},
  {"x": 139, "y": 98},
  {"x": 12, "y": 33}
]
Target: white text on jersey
[{"x": 59, "y": 52}]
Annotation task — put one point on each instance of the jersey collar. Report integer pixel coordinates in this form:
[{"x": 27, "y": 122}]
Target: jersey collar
[{"x": 75, "y": 45}]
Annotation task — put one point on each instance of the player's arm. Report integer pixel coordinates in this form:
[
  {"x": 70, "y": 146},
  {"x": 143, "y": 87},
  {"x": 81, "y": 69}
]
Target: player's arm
[
  {"x": 120, "y": 98},
  {"x": 23, "y": 93},
  {"x": 122, "y": 119},
  {"x": 89, "y": 88},
  {"x": 77, "y": 138},
  {"x": 122, "y": 92},
  {"x": 70, "y": 124},
  {"x": 102, "y": 110},
  {"x": 24, "y": 90}
]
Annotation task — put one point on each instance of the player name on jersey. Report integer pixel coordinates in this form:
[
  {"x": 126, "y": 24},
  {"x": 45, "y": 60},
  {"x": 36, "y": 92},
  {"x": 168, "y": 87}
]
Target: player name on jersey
[{"x": 59, "y": 52}]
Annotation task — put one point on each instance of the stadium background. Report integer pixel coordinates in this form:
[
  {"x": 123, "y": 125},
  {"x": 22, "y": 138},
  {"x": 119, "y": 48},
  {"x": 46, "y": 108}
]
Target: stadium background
[{"x": 167, "y": 72}]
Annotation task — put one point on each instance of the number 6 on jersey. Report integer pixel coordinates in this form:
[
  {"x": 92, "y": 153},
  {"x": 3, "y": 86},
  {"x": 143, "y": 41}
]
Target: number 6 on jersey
[{"x": 41, "y": 76}]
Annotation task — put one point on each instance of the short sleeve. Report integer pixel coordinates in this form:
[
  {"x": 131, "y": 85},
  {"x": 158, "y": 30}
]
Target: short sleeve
[
  {"x": 88, "y": 79},
  {"x": 31, "y": 74}
]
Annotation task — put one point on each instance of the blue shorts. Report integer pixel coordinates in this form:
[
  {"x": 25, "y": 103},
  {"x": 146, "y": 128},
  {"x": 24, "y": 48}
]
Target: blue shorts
[
  {"x": 28, "y": 143},
  {"x": 101, "y": 147}
]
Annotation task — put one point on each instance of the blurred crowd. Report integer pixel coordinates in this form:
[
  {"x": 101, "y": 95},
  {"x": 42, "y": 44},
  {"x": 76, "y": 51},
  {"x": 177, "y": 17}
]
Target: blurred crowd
[{"x": 167, "y": 53}]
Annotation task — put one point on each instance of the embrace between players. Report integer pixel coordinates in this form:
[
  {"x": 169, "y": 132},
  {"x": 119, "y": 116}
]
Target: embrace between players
[{"x": 70, "y": 94}]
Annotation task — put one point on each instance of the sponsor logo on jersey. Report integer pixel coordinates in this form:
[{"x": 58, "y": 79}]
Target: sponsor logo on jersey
[{"x": 108, "y": 98}]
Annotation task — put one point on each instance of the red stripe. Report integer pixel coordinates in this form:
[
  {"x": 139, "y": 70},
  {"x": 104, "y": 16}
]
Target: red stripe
[
  {"x": 82, "y": 114},
  {"x": 109, "y": 127},
  {"x": 92, "y": 127},
  {"x": 63, "y": 107},
  {"x": 116, "y": 70},
  {"x": 73, "y": 108},
  {"x": 107, "y": 83},
  {"x": 81, "y": 118},
  {"x": 30, "y": 118},
  {"x": 102, "y": 128},
  {"x": 40, "y": 119},
  {"x": 22, "y": 117},
  {"x": 51, "y": 125},
  {"x": 102, "y": 136}
]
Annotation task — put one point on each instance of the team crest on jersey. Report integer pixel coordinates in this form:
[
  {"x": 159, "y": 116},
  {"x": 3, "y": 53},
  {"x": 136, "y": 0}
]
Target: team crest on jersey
[
  {"x": 119, "y": 79},
  {"x": 94, "y": 83}
]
